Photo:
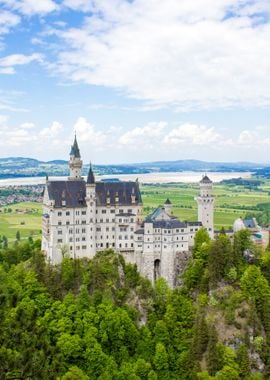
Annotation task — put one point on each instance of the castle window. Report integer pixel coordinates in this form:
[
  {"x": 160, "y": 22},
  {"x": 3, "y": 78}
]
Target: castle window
[
  {"x": 70, "y": 231},
  {"x": 103, "y": 211},
  {"x": 83, "y": 238},
  {"x": 121, "y": 211},
  {"x": 59, "y": 240},
  {"x": 78, "y": 247},
  {"x": 126, "y": 237},
  {"x": 113, "y": 244},
  {"x": 71, "y": 247},
  {"x": 107, "y": 229},
  {"x": 84, "y": 247},
  {"x": 83, "y": 212},
  {"x": 130, "y": 211},
  {"x": 131, "y": 245},
  {"x": 120, "y": 237},
  {"x": 83, "y": 230},
  {"x": 182, "y": 230},
  {"x": 77, "y": 212},
  {"x": 131, "y": 219},
  {"x": 120, "y": 245},
  {"x": 113, "y": 228},
  {"x": 91, "y": 220},
  {"x": 107, "y": 220},
  {"x": 68, "y": 222},
  {"x": 98, "y": 229},
  {"x": 67, "y": 213},
  {"x": 77, "y": 239},
  {"x": 59, "y": 223},
  {"x": 70, "y": 239},
  {"x": 126, "y": 245},
  {"x": 83, "y": 221},
  {"x": 112, "y": 211},
  {"x": 59, "y": 232},
  {"x": 101, "y": 220},
  {"x": 59, "y": 213},
  {"x": 77, "y": 230}
]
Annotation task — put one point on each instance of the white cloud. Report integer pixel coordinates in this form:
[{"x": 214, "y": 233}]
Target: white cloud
[
  {"x": 7, "y": 63},
  {"x": 79, "y": 5},
  {"x": 32, "y": 7},
  {"x": 7, "y": 21},
  {"x": 143, "y": 135},
  {"x": 87, "y": 133},
  {"x": 19, "y": 59},
  {"x": 193, "y": 134},
  {"x": 184, "y": 53},
  {"x": 52, "y": 131}
]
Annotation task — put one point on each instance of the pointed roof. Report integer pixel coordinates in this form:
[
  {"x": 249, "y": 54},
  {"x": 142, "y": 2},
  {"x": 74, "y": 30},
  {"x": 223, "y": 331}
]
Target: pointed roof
[
  {"x": 167, "y": 202},
  {"x": 75, "y": 151},
  {"x": 90, "y": 177},
  {"x": 206, "y": 179}
]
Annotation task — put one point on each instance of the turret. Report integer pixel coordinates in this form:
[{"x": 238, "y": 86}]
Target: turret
[
  {"x": 91, "y": 211},
  {"x": 205, "y": 202},
  {"x": 168, "y": 207},
  {"x": 75, "y": 162}
]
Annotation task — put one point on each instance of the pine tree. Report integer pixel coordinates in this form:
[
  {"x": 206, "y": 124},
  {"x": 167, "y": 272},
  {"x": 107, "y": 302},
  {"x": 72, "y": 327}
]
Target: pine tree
[{"x": 213, "y": 356}]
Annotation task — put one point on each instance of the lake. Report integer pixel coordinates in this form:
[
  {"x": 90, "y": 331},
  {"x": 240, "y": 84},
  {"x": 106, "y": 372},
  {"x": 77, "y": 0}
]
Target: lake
[{"x": 177, "y": 177}]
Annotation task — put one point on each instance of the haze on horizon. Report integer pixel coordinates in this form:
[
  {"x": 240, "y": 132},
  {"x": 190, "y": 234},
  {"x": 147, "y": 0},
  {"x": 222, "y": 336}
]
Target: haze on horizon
[{"x": 137, "y": 80}]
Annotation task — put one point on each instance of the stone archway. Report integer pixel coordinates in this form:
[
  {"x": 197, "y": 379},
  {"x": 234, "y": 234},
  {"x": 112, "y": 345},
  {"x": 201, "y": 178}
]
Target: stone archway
[{"x": 156, "y": 269}]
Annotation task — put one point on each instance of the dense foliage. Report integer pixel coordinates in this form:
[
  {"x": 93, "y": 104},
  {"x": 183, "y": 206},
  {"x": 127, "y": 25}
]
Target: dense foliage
[{"x": 99, "y": 319}]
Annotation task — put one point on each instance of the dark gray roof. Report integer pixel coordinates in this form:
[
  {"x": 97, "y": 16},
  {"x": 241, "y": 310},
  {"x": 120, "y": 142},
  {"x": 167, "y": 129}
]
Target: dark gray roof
[
  {"x": 90, "y": 177},
  {"x": 194, "y": 224},
  {"x": 169, "y": 224},
  {"x": 74, "y": 192},
  {"x": 206, "y": 179},
  {"x": 125, "y": 214},
  {"x": 75, "y": 151},
  {"x": 167, "y": 202},
  {"x": 140, "y": 231},
  {"x": 123, "y": 190},
  {"x": 249, "y": 223}
]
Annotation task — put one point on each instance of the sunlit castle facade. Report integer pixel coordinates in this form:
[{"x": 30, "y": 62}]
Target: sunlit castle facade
[{"x": 82, "y": 217}]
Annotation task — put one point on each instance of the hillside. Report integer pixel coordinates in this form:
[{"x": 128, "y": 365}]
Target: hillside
[
  {"x": 98, "y": 319},
  {"x": 11, "y": 167}
]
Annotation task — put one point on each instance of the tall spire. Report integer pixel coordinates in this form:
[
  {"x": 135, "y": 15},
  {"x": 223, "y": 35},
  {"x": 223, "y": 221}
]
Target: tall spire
[
  {"x": 75, "y": 151},
  {"x": 90, "y": 177}
]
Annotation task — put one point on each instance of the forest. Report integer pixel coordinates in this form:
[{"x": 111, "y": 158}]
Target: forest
[{"x": 99, "y": 319}]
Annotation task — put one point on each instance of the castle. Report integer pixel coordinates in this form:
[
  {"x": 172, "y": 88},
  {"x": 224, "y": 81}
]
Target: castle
[{"x": 81, "y": 218}]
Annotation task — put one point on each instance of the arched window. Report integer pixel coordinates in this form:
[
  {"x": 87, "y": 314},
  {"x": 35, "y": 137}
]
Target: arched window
[{"x": 156, "y": 269}]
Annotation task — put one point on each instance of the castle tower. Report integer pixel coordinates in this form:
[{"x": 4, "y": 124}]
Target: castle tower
[
  {"x": 168, "y": 207},
  {"x": 205, "y": 202},
  {"x": 75, "y": 162},
  {"x": 91, "y": 212}
]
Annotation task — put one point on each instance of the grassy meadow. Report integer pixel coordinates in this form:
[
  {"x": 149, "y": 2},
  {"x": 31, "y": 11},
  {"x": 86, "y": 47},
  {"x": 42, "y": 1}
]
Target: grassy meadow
[
  {"x": 231, "y": 202},
  {"x": 13, "y": 219}
]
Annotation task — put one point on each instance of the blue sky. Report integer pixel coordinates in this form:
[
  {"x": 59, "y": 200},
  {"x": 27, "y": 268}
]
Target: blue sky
[{"x": 138, "y": 80}]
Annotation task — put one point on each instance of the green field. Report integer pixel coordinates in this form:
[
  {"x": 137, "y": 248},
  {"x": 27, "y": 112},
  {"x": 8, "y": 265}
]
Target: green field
[
  {"x": 27, "y": 224},
  {"x": 231, "y": 202}
]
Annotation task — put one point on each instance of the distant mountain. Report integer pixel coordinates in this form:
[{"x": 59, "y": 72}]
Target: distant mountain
[{"x": 28, "y": 167}]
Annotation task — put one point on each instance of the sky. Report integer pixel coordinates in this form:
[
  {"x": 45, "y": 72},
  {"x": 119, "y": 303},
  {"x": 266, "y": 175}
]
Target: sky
[{"x": 138, "y": 80}]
